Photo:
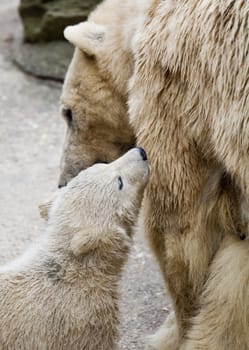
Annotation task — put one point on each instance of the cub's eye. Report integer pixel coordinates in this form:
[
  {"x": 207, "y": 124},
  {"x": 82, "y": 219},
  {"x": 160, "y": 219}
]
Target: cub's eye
[
  {"x": 68, "y": 115},
  {"x": 120, "y": 183}
]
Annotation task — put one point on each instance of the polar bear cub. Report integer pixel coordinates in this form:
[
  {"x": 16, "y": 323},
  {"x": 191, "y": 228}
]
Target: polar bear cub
[{"x": 62, "y": 293}]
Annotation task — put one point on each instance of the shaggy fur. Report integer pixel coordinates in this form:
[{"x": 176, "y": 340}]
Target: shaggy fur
[
  {"x": 95, "y": 90},
  {"x": 189, "y": 108},
  {"x": 62, "y": 293},
  {"x": 188, "y": 105},
  {"x": 223, "y": 317}
]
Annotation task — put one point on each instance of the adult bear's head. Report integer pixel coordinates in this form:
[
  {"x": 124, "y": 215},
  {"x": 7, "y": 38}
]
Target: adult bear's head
[{"x": 93, "y": 100}]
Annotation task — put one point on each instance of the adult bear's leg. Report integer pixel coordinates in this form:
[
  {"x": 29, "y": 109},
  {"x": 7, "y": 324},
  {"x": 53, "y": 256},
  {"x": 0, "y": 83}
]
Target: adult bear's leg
[
  {"x": 184, "y": 257},
  {"x": 223, "y": 320}
]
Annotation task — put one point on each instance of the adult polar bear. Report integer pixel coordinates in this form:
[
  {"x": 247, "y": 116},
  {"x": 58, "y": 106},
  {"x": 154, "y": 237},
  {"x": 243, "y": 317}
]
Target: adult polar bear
[{"x": 189, "y": 108}]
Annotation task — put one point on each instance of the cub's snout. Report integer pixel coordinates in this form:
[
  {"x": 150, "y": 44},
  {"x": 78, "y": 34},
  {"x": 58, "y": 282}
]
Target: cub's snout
[
  {"x": 103, "y": 191},
  {"x": 142, "y": 153},
  {"x": 132, "y": 167}
]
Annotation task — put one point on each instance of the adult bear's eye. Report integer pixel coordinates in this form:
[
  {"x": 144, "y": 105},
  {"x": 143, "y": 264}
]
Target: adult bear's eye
[
  {"x": 120, "y": 183},
  {"x": 68, "y": 115}
]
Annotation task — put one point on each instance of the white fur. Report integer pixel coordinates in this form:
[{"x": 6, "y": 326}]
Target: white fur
[
  {"x": 87, "y": 36},
  {"x": 62, "y": 293}
]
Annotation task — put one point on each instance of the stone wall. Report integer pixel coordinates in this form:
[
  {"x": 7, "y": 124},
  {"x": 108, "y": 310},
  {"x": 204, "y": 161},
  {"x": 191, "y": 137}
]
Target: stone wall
[{"x": 44, "y": 20}]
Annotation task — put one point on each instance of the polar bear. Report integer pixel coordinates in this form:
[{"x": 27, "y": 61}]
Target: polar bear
[
  {"x": 62, "y": 293},
  {"x": 189, "y": 105},
  {"x": 187, "y": 67},
  {"x": 93, "y": 100}
]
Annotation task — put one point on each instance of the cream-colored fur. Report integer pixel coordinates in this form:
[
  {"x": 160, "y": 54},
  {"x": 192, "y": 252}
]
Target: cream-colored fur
[
  {"x": 189, "y": 108},
  {"x": 223, "y": 319},
  {"x": 95, "y": 88},
  {"x": 62, "y": 293},
  {"x": 166, "y": 337},
  {"x": 188, "y": 105}
]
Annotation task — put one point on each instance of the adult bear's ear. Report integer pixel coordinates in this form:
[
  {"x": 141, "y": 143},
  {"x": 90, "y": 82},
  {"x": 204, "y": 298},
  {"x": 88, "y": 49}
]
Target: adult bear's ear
[
  {"x": 85, "y": 240},
  {"x": 87, "y": 36}
]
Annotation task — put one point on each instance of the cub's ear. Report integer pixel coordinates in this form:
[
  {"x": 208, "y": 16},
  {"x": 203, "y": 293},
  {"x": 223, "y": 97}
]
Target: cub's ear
[
  {"x": 45, "y": 207},
  {"x": 87, "y": 36},
  {"x": 85, "y": 240}
]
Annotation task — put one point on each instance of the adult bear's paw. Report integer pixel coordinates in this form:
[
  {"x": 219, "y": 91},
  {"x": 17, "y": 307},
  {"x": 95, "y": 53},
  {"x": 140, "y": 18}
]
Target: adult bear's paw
[{"x": 166, "y": 338}]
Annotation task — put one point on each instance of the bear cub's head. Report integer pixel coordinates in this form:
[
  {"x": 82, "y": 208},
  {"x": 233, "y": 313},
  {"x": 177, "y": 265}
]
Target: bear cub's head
[{"x": 101, "y": 204}]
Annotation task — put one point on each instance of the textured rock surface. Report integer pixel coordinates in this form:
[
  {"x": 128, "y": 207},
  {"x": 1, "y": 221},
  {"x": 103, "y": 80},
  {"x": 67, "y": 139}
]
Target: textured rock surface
[
  {"x": 47, "y": 60},
  {"x": 44, "y": 20}
]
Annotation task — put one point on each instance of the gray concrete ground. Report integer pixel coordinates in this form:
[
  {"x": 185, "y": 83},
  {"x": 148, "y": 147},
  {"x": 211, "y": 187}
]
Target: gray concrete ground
[{"x": 31, "y": 136}]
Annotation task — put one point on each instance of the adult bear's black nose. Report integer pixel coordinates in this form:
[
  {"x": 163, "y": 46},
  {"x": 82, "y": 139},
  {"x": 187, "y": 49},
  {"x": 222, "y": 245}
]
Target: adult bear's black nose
[{"x": 142, "y": 153}]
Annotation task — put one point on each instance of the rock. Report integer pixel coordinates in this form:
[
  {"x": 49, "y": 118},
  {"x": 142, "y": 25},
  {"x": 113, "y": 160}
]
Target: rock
[
  {"x": 46, "y": 60},
  {"x": 45, "y": 20}
]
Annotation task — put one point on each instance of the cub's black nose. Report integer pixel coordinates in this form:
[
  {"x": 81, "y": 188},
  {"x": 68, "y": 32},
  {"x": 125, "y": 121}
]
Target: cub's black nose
[{"x": 142, "y": 153}]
